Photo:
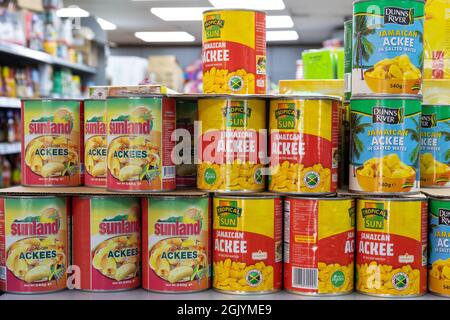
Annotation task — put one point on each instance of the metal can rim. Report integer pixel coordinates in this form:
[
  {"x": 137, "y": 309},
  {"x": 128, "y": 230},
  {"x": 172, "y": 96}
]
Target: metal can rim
[
  {"x": 139, "y": 95},
  {"x": 359, "y": 1},
  {"x": 386, "y": 97},
  {"x": 436, "y": 105},
  {"x": 176, "y": 197},
  {"x": 332, "y": 198},
  {"x": 387, "y": 198},
  {"x": 246, "y": 196},
  {"x": 234, "y": 9},
  {"x": 37, "y": 196},
  {"x": 103, "y": 196},
  {"x": 51, "y": 99},
  {"x": 224, "y": 96},
  {"x": 305, "y": 97},
  {"x": 443, "y": 198}
]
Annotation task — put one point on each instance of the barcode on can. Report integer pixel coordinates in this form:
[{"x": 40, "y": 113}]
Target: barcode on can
[
  {"x": 305, "y": 278},
  {"x": 3, "y": 273},
  {"x": 169, "y": 172}
]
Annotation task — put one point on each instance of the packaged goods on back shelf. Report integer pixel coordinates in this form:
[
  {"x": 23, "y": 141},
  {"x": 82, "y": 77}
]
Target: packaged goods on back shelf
[
  {"x": 323, "y": 64},
  {"x": 43, "y": 31}
]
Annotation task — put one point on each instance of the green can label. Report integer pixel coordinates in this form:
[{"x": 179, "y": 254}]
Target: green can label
[
  {"x": 387, "y": 47},
  {"x": 439, "y": 247},
  {"x": 348, "y": 31},
  {"x": 385, "y": 145},
  {"x": 435, "y": 141}
]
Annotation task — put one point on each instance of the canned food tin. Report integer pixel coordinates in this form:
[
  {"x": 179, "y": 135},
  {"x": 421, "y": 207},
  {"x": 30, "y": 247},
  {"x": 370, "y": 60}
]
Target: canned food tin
[
  {"x": 304, "y": 137},
  {"x": 348, "y": 33},
  {"x": 385, "y": 145},
  {"x": 231, "y": 143},
  {"x": 51, "y": 142},
  {"x": 435, "y": 149},
  {"x": 247, "y": 237},
  {"x": 139, "y": 144},
  {"x": 176, "y": 244},
  {"x": 187, "y": 114},
  {"x": 106, "y": 242},
  {"x": 439, "y": 234},
  {"x": 319, "y": 245},
  {"x": 344, "y": 144},
  {"x": 387, "y": 46},
  {"x": 391, "y": 239},
  {"x": 34, "y": 244},
  {"x": 95, "y": 143},
  {"x": 234, "y": 51}
]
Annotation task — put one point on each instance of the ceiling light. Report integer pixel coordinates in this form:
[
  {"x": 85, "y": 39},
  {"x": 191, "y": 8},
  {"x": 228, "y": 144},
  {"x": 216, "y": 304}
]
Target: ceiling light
[
  {"x": 72, "y": 12},
  {"x": 285, "y": 35},
  {"x": 249, "y": 4},
  {"x": 165, "y": 36},
  {"x": 106, "y": 25},
  {"x": 179, "y": 14},
  {"x": 274, "y": 22}
]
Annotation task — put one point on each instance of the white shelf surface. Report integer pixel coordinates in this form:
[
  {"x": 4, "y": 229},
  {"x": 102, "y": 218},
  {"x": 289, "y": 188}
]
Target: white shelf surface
[
  {"x": 26, "y": 53},
  {"x": 141, "y": 294},
  {"x": 6, "y": 102},
  {"x": 9, "y": 148}
]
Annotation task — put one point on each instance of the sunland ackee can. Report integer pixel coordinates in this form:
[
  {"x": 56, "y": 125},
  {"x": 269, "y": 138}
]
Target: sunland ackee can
[
  {"x": 234, "y": 51},
  {"x": 52, "y": 138},
  {"x": 95, "y": 143},
  {"x": 319, "y": 242},
  {"x": 34, "y": 244},
  {"x": 439, "y": 238},
  {"x": 384, "y": 144},
  {"x": 231, "y": 142},
  {"x": 139, "y": 143},
  {"x": 106, "y": 233},
  {"x": 304, "y": 137},
  {"x": 387, "y": 46},
  {"x": 435, "y": 146},
  {"x": 176, "y": 252},
  {"x": 248, "y": 244},
  {"x": 391, "y": 244}
]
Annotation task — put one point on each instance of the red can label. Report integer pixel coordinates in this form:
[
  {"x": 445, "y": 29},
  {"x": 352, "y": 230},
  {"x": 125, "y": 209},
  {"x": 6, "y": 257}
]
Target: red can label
[
  {"x": 176, "y": 250},
  {"x": 51, "y": 142},
  {"x": 234, "y": 51},
  {"x": 34, "y": 244},
  {"x": 139, "y": 144},
  {"x": 106, "y": 242},
  {"x": 319, "y": 245}
]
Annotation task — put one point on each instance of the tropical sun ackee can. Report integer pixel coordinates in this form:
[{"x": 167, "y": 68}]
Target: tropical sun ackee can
[
  {"x": 435, "y": 150},
  {"x": 176, "y": 252},
  {"x": 319, "y": 243},
  {"x": 439, "y": 237},
  {"x": 231, "y": 142},
  {"x": 52, "y": 136},
  {"x": 384, "y": 145},
  {"x": 34, "y": 244},
  {"x": 139, "y": 156},
  {"x": 95, "y": 143},
  {"x": 234, "y": 51},
  {"x": 387, "y": 46},
  {"x": 106, "y": 242},
  {"x": 304, "y": 137},
  {"x": 391, "y": 244},
  {"x": 247, "y": 240}
]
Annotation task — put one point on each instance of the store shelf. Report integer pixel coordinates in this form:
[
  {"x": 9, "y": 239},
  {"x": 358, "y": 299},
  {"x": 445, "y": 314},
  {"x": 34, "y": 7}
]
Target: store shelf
[
  {"x": 141, "y": 294},
  {"x": 9, "y": 148},
  {"x": 13, "y": 103},
  {"x": 38, "y": 56}
]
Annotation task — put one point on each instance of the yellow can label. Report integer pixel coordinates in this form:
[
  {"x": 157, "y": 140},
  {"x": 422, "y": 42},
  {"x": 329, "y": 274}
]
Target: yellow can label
[
  {"x": 247, "y": 244},
  {"x": 230, "y": 144},
  {"x": 298, "y": 126},
  {"x": 391, "y": 240},
  {"x": 234, "y": 51}
]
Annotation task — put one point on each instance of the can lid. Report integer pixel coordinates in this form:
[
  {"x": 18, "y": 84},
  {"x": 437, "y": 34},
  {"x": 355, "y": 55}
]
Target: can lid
[
  {"x": 308, "y": 96},
  {"x": 233, "y": 96},
  {"x": 325, "y": 198},
  {"x": 256, "y": 195},
  {"x": 436, "y": 105},
  {"x": 33, "y": 197},
  {"x": 51, "y": 99},
  {"x": 400, "y": 198},
  {"x": 138, "y": 96},
  {"x": 357, "y": 1},
  {"x": 234, "y": 9},
  {"x": 386, "y": 96}
]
